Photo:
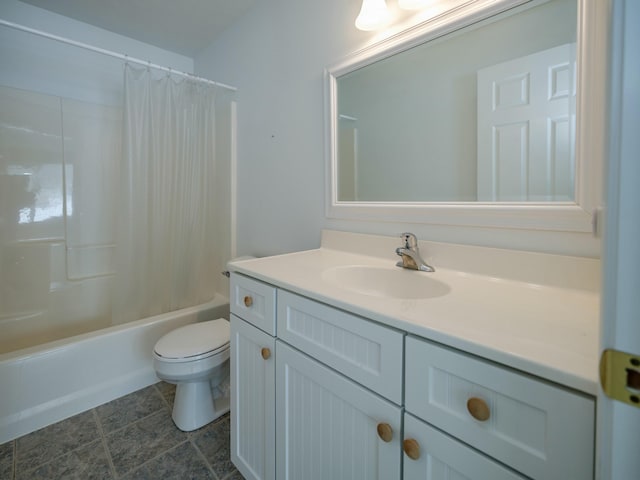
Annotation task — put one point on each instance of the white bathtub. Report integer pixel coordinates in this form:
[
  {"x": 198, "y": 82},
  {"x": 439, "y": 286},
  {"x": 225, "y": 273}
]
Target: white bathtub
[{"x": 44, "y": 384}]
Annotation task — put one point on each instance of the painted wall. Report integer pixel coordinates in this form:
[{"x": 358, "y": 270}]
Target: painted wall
[{"x": 276, "y": 55}]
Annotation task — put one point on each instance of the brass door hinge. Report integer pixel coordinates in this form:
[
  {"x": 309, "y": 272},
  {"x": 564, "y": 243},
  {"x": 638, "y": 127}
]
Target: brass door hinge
[{"x": 620, "y": 376}]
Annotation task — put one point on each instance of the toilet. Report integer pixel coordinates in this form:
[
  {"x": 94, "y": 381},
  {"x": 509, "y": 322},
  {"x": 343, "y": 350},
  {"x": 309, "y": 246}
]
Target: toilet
[{"x": 196, "y": 359}]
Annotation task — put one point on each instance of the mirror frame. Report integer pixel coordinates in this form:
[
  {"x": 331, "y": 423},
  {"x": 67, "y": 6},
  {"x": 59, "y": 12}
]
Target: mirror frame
[{"x": 576, "y": 216}]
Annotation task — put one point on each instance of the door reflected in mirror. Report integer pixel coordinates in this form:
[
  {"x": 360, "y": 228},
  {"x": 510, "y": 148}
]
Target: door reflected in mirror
[{"x": 484, "y": 114}]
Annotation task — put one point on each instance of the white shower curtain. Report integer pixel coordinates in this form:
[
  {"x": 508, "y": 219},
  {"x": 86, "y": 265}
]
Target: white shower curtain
[{"x": 165, "y": 249}]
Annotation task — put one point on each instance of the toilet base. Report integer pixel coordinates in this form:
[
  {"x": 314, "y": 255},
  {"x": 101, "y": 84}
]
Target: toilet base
[{"x": 194, "y": 405}]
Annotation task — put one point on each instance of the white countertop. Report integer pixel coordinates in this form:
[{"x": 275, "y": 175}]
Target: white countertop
[{"x": 545, "y": 330}]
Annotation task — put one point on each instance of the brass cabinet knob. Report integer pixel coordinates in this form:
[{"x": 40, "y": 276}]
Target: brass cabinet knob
[
  {"x": 266, "y": 353},
  {"x": 478, "y": 409},
  {"x": 385, "y": 432},
  {"x": 411, "y": 448},
  {"x": 248, "y": 301}
]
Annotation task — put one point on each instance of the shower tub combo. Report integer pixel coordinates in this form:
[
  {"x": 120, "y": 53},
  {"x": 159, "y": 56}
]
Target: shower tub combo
[
  {"x": 47, "y": 383},
  {"x": 75, "y": 234}
]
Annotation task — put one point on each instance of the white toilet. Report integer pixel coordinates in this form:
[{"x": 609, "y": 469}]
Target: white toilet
[{"x": 195, "y": 358}]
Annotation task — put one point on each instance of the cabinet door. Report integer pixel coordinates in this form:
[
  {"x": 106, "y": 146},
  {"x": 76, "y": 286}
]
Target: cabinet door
[
  {"x": 327, "y": 426},
  {"x": 252, "y": 401},
  {"x": 438, "y": 456}
]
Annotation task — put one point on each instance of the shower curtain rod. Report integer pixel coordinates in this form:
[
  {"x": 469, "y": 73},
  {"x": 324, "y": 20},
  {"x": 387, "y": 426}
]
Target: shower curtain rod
[{"x": 110, "y": 53}]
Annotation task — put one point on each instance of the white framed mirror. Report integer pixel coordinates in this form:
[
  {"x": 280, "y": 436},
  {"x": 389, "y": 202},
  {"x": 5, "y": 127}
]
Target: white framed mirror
[{"x": 484, "y": 115}]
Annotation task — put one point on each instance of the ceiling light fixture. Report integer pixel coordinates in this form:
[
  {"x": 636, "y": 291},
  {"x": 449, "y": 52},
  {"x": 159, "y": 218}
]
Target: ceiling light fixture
[
  {"x": 373, "y": 14},
  {"x": 413, "y": 4}
]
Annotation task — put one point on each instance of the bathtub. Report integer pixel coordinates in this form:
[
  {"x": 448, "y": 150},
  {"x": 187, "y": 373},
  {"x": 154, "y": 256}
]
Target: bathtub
[{"x": 44, "y": 384}]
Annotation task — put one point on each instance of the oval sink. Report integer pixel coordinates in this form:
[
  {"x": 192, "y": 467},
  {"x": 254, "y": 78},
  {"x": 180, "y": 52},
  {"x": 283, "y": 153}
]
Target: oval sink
[{"x": 383, "y": 282}]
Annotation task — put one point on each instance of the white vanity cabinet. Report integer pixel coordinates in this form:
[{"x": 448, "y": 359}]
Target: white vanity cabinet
[
  {"x": 253, "y": 378},
  {"x": 340, "y": 396}
]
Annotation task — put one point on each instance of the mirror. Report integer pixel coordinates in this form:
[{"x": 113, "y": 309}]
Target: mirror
[{"x": 474, "y": 114}]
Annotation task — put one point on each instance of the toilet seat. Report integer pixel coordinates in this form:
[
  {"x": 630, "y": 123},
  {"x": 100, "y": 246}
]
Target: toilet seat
[
  {"x": 195, "y": 358},
  {"x": 193, "y": 342}
]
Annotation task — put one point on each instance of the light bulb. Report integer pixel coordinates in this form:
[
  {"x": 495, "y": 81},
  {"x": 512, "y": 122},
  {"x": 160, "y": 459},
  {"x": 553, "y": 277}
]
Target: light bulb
[
  {"x": 373, "y": 15},
  {"x": 413, "y": 4}
]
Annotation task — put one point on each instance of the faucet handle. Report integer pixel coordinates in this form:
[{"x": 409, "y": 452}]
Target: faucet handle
[{"x": 410, "y": 241}]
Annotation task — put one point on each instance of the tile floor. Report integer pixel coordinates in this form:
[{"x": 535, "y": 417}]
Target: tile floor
[{"x": 132, "y": 437}]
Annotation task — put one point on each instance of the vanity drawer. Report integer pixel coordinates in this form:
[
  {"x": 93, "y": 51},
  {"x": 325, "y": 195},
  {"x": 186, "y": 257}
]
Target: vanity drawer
[
  {"x": 254, "y": 302},
  {"x": 364, "y": 351},
  {"x": 439, "y": 456},
  {"x": 544, "y": 431}
]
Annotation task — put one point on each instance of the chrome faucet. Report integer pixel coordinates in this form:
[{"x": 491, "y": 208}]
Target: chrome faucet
[{"x": 410, "y": 254}]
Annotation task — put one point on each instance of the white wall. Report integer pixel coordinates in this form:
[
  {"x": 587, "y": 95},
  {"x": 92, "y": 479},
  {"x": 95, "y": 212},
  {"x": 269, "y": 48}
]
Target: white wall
[{"x": 276, "y": 55}]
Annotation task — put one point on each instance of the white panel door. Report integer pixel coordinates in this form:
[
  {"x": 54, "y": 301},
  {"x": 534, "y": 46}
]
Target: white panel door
[
  {"x": 441, "y": 457},
  {"x": 252, "y": 401},
  {"x": 619, "y": 423},
  {"x": 327, "y": 425},
  {"x": 526, "y": 133}
]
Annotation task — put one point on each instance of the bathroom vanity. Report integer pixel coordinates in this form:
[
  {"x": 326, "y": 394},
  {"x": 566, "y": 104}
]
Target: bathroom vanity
[{"x": 346, "y": 366}]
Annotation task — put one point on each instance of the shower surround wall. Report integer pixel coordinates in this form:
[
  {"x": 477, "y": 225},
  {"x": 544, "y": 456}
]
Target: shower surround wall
[
  {"x": 59, "y": 168},
  {"x": 60, "y": 147}
]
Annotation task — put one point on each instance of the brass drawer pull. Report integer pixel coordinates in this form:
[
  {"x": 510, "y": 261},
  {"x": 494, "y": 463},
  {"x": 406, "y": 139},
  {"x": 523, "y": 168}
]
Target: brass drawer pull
[
  {"x": 411, "y": 448},
  {"x": 266, "y": 353},
  {"x": 478, "y": 409},
  {"x": 248, "y": 301},
  {"x": 385, "y": 432}
]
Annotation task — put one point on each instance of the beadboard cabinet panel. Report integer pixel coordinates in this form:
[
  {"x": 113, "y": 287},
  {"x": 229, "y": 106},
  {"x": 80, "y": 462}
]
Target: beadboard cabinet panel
[
  {"x": 253, "y": 401},
  {"x": 368, "y": 353},
  {"x": 327, "y": 425}
]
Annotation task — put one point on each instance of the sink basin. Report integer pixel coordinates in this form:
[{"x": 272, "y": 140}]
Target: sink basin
[{"x": 383, "y": 282}]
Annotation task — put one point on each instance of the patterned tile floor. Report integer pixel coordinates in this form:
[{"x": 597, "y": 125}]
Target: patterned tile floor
[{"x": 132, "y": 437}]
